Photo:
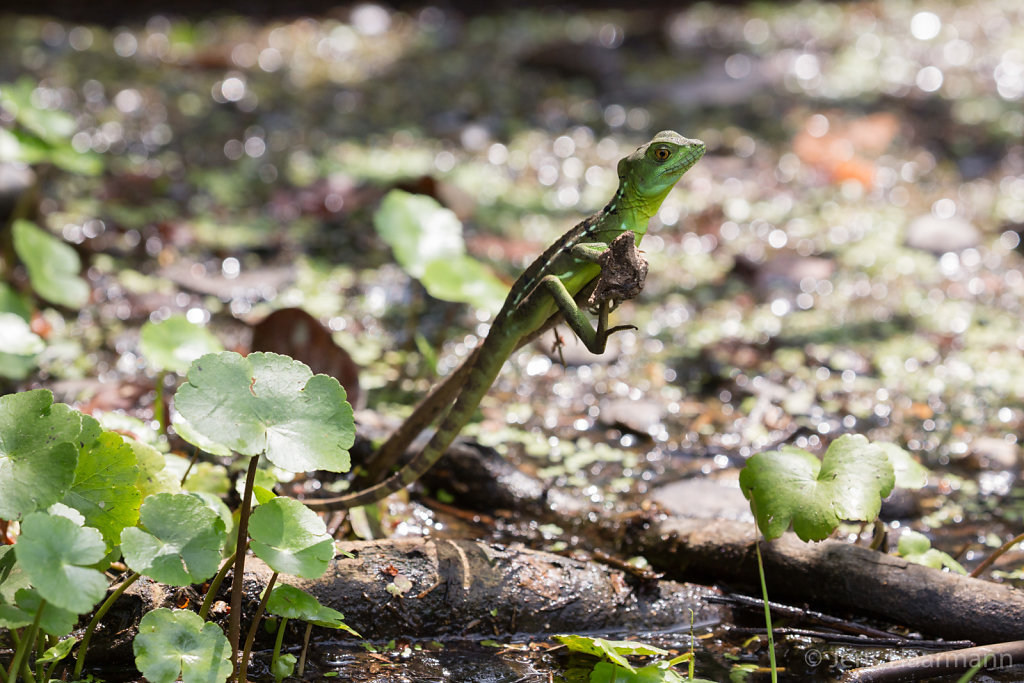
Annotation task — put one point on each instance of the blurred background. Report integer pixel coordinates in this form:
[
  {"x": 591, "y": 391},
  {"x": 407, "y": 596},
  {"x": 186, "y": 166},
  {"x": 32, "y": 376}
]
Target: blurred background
[{"x": 846, "y": 257}]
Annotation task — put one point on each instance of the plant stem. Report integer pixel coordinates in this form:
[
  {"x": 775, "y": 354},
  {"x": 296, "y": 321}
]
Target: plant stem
[
  {"x": 305, "y": 646},
  {"x": 995, "y": 555},
  {"x": 211, "y": 592},
  {"x": 968, "y": 675},
  {"x": 764, "y": 595},
  {"x": 3, "y": 675},
  {"x": 24, "y": 645},
  {"x": 191, "y": 463},
  {"x": 235, "y": 621},
  {"x": 100, "y": 613},
  {"x": 160, "y": 406},
  {"x": 243, "y": 664},
  {"x": 278, "y": 640},
  {"x": 40, "y": 649}
]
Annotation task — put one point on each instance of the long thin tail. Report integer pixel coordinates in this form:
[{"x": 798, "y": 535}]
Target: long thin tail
[
  {"x": 481, "y": 373},
  {"x": 436, "y": 402}
]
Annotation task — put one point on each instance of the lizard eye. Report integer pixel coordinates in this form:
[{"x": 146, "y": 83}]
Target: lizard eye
[{"x": 662, "y": 153}]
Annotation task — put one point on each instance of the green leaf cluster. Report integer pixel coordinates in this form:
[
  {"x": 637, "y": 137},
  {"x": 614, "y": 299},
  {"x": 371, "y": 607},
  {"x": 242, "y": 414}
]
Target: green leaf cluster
[
  {"x": 426, "y": 239},
  {"x": 52, "y": 265},
  {"x": 615, "y": 668},
  {"x": 792, "y": 486},
  {"x": 42, "y": 135},
  {"x": 85, "y": 496},
  {"x": 268, "y": 404}
]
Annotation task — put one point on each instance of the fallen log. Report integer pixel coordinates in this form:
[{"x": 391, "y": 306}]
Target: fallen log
[
  {"x": 997, "y": 656},
  {"x": 835, "y": 574},
  {"x": 440, "y": 588},
  {"x": 437, "y": 589},
  {"x": 830, "y": 574}
]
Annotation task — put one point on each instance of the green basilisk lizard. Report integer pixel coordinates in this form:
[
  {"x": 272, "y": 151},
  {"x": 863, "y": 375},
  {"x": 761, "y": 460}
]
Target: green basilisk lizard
[{"x": 548, "y": 290}]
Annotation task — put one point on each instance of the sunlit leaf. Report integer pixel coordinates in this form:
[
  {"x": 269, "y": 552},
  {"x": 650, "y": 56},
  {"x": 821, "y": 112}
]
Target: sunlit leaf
[
  {"x": 910, "y": 474},
  {"x": 465, "y": 280},
  {"x": 104, "y": 488},
  {"x": 173, "y": 643},
  {"x": 269, "y": 403},
  {"x": 52, "y": 265},
  {"x": 58, "y": 652},
  {"x": 418, "y": 230},
  {"x": 793, "y": 486},
  {"x": 154, "y": 475},
  {"x": 615, "y": 650},
  {"x": 916, "y": 547},
  {"x": 178, "y": 540},
  {"x": 283, "y": 667},
  {"x": 174, "y": 343},
  {"x": 291, "y": 538},
  {"x": 49, "y": 124},
  {"x": 56, "y": 555},
  {"x": 426, "y": 239},
  {"x": 294, "y": 603},
  {"x": 37, "y": 451}
]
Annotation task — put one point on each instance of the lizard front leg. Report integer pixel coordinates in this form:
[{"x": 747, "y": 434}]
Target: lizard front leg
[{"x": 594, "y": 338}]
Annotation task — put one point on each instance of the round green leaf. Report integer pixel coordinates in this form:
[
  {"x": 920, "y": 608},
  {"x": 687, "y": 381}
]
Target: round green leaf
[
  {"x": 463, "y": 279},
  {"x": 180, "y": 541},
  {"x": 154, "y": 474},
  {"x": 283, "y": 667},
  {"x": 294, "y": 603},
  {"x": 910, "y": 474},
  {"x": 104, "y": 488},
  {"x": 37, "y": 451},
  {"x": 51, "y": 125},
  {"x": 793, "y": 486},
  {"x": 269, "y": 403},
  {"x": 58, "y": 652},
  {"x": 174, "y": 343},
  {"x": 426, "y": 239},
  {"x": 55, "y": 554},
  {"x": 52, "y": 265},
  {"x": 55, "y": 621},
  {"x": 174, "y": 643},
  {"x": 291, "y": 538},
  {"x": 615, "y": 650},
  {"x": 418, "y": 230}
]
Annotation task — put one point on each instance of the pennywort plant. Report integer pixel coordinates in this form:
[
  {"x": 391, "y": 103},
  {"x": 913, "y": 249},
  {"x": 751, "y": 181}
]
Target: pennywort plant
[
  {"x": 79, "y": 497},
  {"x": 792, "y": 487}
]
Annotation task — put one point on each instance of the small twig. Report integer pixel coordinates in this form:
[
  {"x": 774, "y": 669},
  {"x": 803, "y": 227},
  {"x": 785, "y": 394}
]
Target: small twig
[
  {"x": 191, "y": 462},
  {"x": 995, "y": 555},
  {"x": 891, "y": 641},
  {"x": 801, "y": 614},
  {"x": 996, "y": 656}
]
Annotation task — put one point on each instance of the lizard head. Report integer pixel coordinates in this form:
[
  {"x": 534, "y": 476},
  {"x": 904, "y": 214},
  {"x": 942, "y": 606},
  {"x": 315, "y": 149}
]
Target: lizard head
[{"x": 653, "y": 169}]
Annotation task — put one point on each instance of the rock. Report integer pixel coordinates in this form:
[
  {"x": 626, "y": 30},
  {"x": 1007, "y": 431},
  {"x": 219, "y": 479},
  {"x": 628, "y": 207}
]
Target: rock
[
  {"x": 939, "y": 235},
  {"x": 994, "y": 453},
  {"x": 638, "y": 417},
  {"x": 704, "y": 499},
  {"x": 786, "y": 271}
]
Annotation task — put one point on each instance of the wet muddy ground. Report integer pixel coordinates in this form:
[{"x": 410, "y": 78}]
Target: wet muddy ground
[{"x": 846, "y": 258}]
